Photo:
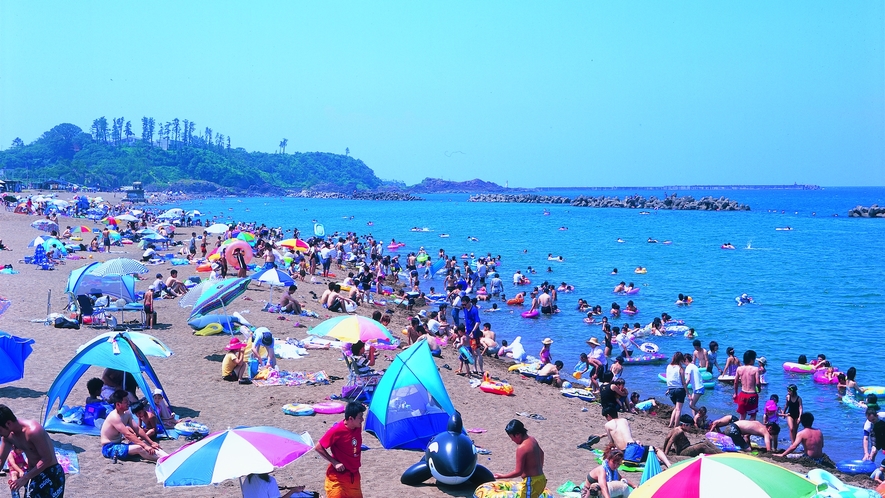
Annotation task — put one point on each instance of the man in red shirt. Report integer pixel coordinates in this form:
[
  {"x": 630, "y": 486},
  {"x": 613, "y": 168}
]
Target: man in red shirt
[{"x": 345, "y": 440}]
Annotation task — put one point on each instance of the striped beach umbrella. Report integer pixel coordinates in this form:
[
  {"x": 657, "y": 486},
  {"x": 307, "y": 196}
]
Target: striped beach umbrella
[
  {"x": 219, "y": 295},
  {"x": 352, "y": 328},
  {"x": 81, "y": 229},
  {"x": 295, "y": 245},
  {"x": 119, "y": 266},
  {"x": 726, "y": 475},
  {"x": 232, "y": 454}
]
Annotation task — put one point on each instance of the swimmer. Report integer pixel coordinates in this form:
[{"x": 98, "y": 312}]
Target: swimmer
[
  {"x": 614, "y": 271},
  {"x": 620, "y": 240},
  {"x": 549, "y": 270},
  {"x": 652, "y": 241},
  {"x": 621, "y": 287},
  {"x": 743, "y": 299}
]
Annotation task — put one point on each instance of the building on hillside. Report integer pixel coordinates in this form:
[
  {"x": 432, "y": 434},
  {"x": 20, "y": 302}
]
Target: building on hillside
[{"x": 134, "y": 193}]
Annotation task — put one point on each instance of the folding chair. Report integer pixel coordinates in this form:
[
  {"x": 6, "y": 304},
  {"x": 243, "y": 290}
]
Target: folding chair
[
  {"x": 359, "y": 385},
  {"x": 97, "y": 316},
  {"x": 40, "y": 259}
]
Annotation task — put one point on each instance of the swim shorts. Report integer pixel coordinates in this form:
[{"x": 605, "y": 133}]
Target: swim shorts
[
  {"x": 676, "y": 395},
  {"x": 120, "y": 451},
  {"x": 635, "y": 453},
  {"x": 342, "y": 485},
  {"x": 48, "y": 484},
  {"x": 532, "y": 487},
  {"x": 545, "y": 379},
  {"x": 547, "y": 310},
  {"x": 699, "y": 391},
  {"x": 747, "y": 403}
]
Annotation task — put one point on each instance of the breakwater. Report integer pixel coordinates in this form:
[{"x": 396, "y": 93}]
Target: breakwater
[
  {"x": 873, "y": 211},
  {"x": 358, "y": 196},
  {"x": 687, "y": 202}
]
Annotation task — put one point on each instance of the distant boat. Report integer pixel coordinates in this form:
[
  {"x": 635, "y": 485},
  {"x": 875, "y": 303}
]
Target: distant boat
[
  {"x": 444, "y": 235},
  {"x": 784, "y": 228},
  {"x": 644, "y": 212}
]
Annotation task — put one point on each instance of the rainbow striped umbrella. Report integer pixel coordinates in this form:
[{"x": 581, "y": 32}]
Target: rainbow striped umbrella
[
  {"x": 726, "y": 475},
  {"x": 352, "y": 328},
  {"x": 231, "y": 454},
  {"x": 81, "y": 229},
  {"x": 295, "y": 245}
]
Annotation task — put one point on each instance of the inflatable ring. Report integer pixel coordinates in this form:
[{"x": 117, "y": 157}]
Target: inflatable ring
[
  {"x": 299, "y": 410},
  {"x": 649, "y": 347},
  {"x": 211, "y": 329},
  {"x": 789, "y": 366},
  {"x": 516, "y": 366},
  {"x": 877, "y": 390},
  {"x": 466, "y": 355},
  {"x": 188, "y": 428},
  {"x": 854, "y": 467},
  {"x": 490, "y": 386},
  {"x": 504, "y": 489},
  {"x": 204, "y": 267},
  {"x": 515, "y": 301},
  {"x": 328, "y": 407},
  {"x": 530, "y": 314}
]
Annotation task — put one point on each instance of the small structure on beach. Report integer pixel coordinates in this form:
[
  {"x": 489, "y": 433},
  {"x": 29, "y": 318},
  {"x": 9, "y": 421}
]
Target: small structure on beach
[{"x": 134, "y": 193}]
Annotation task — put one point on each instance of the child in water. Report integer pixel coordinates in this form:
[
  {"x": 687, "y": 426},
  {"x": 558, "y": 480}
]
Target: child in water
[
  {"x": 771, "y": 417},
  {"x": 731, "y": 363},
  {"x": 842, "y": 386}
]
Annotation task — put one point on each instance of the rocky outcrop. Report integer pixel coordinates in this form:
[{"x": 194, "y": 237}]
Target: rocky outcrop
[
  {"x": 873, "y": 211},
  {"x": 359, "y": 196},
  {"x": 438, "y": 186},
  {"x": 687, "y": 203}
]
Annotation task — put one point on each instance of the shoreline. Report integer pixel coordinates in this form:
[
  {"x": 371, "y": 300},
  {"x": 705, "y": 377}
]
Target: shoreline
[{"x": 191, "y": 379}]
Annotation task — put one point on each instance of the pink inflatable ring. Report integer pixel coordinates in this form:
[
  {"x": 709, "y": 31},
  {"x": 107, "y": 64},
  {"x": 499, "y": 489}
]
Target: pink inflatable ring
[{"x": 328, "y": 407}]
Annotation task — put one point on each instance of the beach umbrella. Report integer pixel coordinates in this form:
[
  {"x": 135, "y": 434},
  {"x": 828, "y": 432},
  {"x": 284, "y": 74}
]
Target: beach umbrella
[
  {"x": 652, "y": 467},
  {"x": 194, "y": 213},
  {"x": 194, "y": 293},
  {"x": 13, "y": 353},
  {"x": 126, "y": 217},
  {"x": 232, "y": 454},
  {"x": 275, "y": 278},
  {"x": 726, "y": 475},
  {"x": 171, "y": 214},
  {"x": 61, "y": 204},
  {"x": 219, "y": 295},
  {"x": 119, "y": 266},
  {"x": 147, "y": 231},
  {"x": 248, "y": 237},
  {"x": 352, "y": 328},
  {"x": 148, "y": 344},
  {"x": 39, "y": 241},
  {"x": 81, "y": 229},
  {"x": 295, "y": 245},
  {"x": 45, "y": 225},
  {"x": 4, "y": 305},
  {"x": 217, "y": 228}
]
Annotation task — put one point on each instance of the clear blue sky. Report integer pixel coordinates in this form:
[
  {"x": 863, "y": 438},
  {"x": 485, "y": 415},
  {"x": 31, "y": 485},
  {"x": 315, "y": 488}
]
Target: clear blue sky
[{"x": 580, "y": 93}]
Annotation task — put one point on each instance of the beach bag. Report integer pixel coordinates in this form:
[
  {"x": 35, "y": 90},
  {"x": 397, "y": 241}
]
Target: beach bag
[
  {"x": 65, "y": 323},
  {"x": 95, "y": 411}
]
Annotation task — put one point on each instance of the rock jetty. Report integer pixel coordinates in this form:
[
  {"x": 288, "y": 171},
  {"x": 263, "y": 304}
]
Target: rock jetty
[
  {"x": 873, "y": 211},
  {"x": 687, "y": 202},
  {"x": 358, "y": 196}
]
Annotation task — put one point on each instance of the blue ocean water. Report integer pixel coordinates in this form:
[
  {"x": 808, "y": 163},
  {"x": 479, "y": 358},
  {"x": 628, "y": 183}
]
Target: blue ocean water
[{"x": 818, "y": 288}]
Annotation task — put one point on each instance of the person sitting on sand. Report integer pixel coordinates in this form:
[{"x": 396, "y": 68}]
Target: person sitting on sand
[
  {"x": 605, "y": 480},
  {"x": 234, "y": 364},
  {"x": 619, "y": 433},
  {"x": 175, "y": 286},
  {"x": 167, "y": 416},
  {"x": 812, "y": 440},
  {"x": 146, "y": 418},
  {"x": 549, "y": 374},
  {"x": 677, "y": 442},
  {"x": 513, "y": 350},
  {"x": 121, "y": 436},
  {"x": 288, "y": 303}
]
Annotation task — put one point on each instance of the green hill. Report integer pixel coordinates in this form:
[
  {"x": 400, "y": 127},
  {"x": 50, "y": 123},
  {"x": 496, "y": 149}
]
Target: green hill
[{"x": 178, "y": 161}]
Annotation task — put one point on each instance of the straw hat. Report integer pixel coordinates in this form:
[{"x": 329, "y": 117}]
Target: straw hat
[
  {"x": 593, "y": 342},
  {"x": 547, "y": 341},
  {"x": 235, "y": 344}
]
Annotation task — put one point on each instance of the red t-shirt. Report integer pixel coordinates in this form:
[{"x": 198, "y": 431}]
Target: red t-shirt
[{"x": 345, "y": 446}]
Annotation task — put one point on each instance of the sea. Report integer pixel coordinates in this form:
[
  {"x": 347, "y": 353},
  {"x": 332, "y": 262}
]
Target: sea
[{"x": 817, "y": 288}]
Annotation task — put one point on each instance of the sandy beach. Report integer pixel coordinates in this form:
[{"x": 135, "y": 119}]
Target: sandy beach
[{"x": 192, "y": 380}]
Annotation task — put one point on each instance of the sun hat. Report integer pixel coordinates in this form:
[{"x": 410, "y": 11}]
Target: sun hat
[
  {"x": 547, "y": 340},
  {"x": 157, "y": 392},
  {"x": 235, "y": 343},
  {"x": 593, "y": 341}
]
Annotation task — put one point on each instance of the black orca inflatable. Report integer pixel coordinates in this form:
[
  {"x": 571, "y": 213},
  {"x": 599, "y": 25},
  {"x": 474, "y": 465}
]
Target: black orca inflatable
[{"x": 450, "y": 457}]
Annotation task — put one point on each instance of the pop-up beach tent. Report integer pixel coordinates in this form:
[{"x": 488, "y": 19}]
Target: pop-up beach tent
[
  {"x": 13, "y": 353},
  {"x": 117, "y": 352},
  {"x": 410, "y": 404},
  {"x": 82, "y": 281}
]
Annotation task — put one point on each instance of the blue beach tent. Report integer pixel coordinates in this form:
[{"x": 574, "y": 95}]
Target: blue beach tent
[
  {"x": 13, "y": 353},
  {"x": 117, "y": 352},
  {"x": 82, "y": 282},
  {"x": 410, "y": 404}
]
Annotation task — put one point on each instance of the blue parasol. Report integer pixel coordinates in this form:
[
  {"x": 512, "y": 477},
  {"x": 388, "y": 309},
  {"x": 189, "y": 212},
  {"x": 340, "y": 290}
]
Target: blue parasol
[
  {"x": 13, "y": 353},
  {"x": 219, "y": 295}
]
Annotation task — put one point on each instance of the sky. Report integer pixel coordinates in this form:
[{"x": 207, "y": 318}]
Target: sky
[{"x": 531, "y": 94}]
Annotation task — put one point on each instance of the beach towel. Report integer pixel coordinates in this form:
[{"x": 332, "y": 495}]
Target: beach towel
[
  {"x": 68, "y": 460},
  {"x": 286, "y": 378}
]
